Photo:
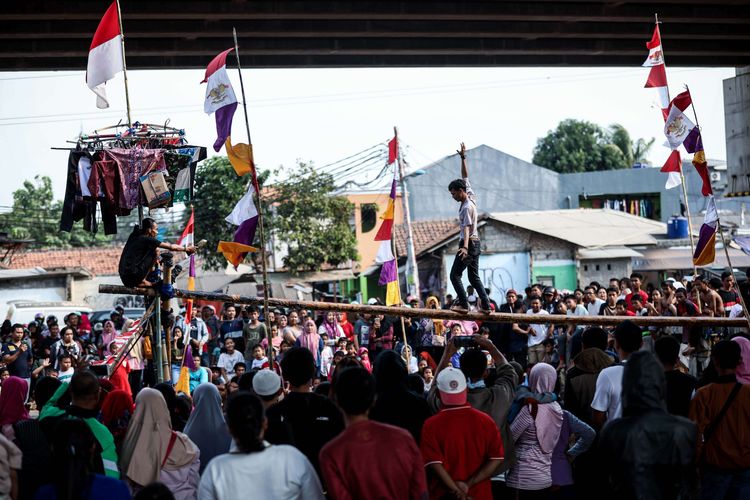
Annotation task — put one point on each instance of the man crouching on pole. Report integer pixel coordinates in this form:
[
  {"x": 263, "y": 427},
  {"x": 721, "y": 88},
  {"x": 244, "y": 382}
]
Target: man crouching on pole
[{"x": 468, "y": 244}]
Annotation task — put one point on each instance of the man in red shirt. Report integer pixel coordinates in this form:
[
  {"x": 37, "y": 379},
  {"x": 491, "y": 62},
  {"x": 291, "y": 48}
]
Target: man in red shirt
[
  {"x": 461, "y": 446},
  {"x": 369, "y": 459},
  {"x": 636, "y": 280}
]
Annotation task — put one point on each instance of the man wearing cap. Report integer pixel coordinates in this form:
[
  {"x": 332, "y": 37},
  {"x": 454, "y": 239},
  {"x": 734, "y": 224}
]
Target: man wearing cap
[
  {"x": 461, "y": 446},
  {"x": 267, "y": 385},
  {"x": 469, "y": 247}
]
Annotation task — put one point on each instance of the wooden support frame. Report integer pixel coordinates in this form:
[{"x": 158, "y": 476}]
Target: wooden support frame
[{"x": 438, "y": 313}]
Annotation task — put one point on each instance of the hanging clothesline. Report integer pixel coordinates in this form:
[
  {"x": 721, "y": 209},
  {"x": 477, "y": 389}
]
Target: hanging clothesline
[{"x": 145, "y": 165}]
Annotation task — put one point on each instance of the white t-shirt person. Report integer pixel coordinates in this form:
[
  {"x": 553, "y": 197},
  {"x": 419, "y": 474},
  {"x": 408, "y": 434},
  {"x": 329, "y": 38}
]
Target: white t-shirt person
[
  {"x": 227, "y": 361},
  {"x": 608, "y": 392},
  {"x": 279, "y": 471},
  {"x": 537, "y": 331}
]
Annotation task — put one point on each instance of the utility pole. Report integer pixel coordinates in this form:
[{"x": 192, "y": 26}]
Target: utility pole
[{"x": 412, "y": 271}]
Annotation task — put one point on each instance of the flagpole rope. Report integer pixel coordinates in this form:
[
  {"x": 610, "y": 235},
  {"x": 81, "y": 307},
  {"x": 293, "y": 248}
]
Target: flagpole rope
[
  {"x": 718, "y": 226},
  {"x": 260, "y": 210}
]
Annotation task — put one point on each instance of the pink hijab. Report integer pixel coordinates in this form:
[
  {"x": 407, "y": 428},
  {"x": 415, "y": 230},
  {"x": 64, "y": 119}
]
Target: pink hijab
[
  {"x": 549, "y": 417},
  {"x": 743, "y": 370},
  {"x": 12, "y": 400},
  {"x": 310, "y": 341}
]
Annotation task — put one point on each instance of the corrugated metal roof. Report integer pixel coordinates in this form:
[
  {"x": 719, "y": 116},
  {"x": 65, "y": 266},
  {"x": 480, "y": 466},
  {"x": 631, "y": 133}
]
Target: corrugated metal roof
[
  {"x": 607, "y": 253},
  {"x": 587, "y": 227},
  {"x": 659, "y": 259}
]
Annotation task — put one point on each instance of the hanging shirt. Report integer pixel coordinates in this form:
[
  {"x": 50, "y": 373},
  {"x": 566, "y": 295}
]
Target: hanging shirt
[
  {"x": 132, "y": 164},
  {"x": 84, "y": 172}
]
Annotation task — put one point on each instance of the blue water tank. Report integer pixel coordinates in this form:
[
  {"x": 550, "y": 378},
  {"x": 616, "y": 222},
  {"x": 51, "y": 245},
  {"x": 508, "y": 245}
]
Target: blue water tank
[{"x": 677, "y": 228}]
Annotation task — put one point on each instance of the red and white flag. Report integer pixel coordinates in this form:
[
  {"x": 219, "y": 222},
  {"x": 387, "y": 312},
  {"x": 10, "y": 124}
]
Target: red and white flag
[
  {"x": 105, "y": 55},
  {"x": 657, "y": 77}
]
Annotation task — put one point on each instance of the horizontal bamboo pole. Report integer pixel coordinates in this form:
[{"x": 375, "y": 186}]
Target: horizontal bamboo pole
[{"x": 436, "y": 313}]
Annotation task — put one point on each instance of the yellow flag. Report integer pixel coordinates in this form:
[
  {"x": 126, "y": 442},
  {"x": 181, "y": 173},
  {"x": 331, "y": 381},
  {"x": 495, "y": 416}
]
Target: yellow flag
[{"x": 240, "y": 156}]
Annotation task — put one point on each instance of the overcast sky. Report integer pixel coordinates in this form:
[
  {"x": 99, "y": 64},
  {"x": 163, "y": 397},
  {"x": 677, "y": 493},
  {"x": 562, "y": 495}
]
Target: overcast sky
[{"x": 327, "y": 114}]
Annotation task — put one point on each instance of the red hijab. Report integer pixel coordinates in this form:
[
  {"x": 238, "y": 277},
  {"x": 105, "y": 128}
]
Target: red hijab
[
  {"x": 12, "y": 399},
  {"x": 115, "y": 406}
]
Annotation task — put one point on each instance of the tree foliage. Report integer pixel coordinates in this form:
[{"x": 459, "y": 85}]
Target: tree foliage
[
  {"x": 311, "y": 220},
  {"x": 300, "y": 212},
  {"x": 36, "y": 215},
  {"x": 581, "y": 146},
  {"x": 217, "y": 191}
]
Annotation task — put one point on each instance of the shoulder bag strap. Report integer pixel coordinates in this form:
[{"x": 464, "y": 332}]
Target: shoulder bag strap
[
  {"x": 711, "y": 428},
  {"x": 172, "y": 439}
]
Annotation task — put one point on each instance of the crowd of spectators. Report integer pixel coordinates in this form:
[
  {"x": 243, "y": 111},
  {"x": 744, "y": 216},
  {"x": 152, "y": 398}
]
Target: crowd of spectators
[{"x": 375, "y": 407}]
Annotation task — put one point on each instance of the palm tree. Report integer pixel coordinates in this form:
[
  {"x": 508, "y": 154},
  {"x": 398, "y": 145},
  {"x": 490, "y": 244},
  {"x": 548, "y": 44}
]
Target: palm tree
[{"x": 634, "y": 152}]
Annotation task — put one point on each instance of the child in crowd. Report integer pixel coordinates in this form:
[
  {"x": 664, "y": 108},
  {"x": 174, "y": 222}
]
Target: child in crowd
[
  {"x": 259, "y": 358},
  {"x": 326, "y": 355},
  {"x": 66, "y": 368}
]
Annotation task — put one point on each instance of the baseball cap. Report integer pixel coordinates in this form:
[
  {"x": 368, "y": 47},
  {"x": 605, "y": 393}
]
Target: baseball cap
[
  {"x": 373, "y": 301},
  {"x": 266, "y": 383},
  {"x": 451, "y": 384},
  {"x": 511, "y": 292}
]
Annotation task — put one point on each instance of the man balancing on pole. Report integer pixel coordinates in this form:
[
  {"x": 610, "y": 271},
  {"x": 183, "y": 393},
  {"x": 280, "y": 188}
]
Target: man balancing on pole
[
  {"x": 468, "y": 241},
  {"x": 139, "y": 257}
]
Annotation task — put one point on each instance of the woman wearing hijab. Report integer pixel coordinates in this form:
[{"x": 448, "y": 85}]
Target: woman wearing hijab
[
  {"x": 535, "y": 431},
  {"x": 330, "y": 326},
  {"x": 395, "y": 403},
  {"x": 411, "y": 361},
  {"x": 108, "y": 336},
  {"x": 12, "y": 408},
  {"x": 152, "y": 451},
  {"x": 743, "y": 369},
  {"x": 206, "y": 426},
  {"x": 116, "y": 412},
  {"x": 310, "y": 340}
]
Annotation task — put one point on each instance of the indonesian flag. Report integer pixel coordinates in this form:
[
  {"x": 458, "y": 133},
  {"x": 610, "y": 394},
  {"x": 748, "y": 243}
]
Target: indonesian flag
[
  {"x": 392, "y": 150},
  {"x": 657, "y": 77},
  {"x": 220, "y": 98},
  {"x": 105, "y": 55},
  {"x": 188, "y": 238},
  {"x": 673, "y": 167}
]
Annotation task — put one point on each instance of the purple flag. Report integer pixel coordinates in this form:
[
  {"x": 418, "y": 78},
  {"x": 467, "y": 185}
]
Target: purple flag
[
  {"x": 224, "y": 117},
  {"x": 388, "y": 273},
  {"x": 693, "y": 141}
]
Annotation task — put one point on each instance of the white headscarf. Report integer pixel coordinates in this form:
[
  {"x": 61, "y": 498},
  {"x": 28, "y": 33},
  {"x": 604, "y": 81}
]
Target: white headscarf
[{"x": 147, "y": 441}]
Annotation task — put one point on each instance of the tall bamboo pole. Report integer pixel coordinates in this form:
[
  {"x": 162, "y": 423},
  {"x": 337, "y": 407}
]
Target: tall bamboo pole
[
  {"x": 124, "y": 65},
  {"x": 260, "y": 208},
  {"x": 127, "y": 92},
  {"x": 411, "y": 256}
]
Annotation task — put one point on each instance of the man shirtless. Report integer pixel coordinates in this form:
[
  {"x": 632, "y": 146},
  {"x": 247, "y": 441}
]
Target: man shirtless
[{"x": 709, "y": 300}]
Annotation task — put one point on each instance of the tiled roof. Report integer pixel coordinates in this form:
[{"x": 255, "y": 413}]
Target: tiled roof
[
  {"x": 427, "y": 233},
  {"x": 98, "y": 260}
]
